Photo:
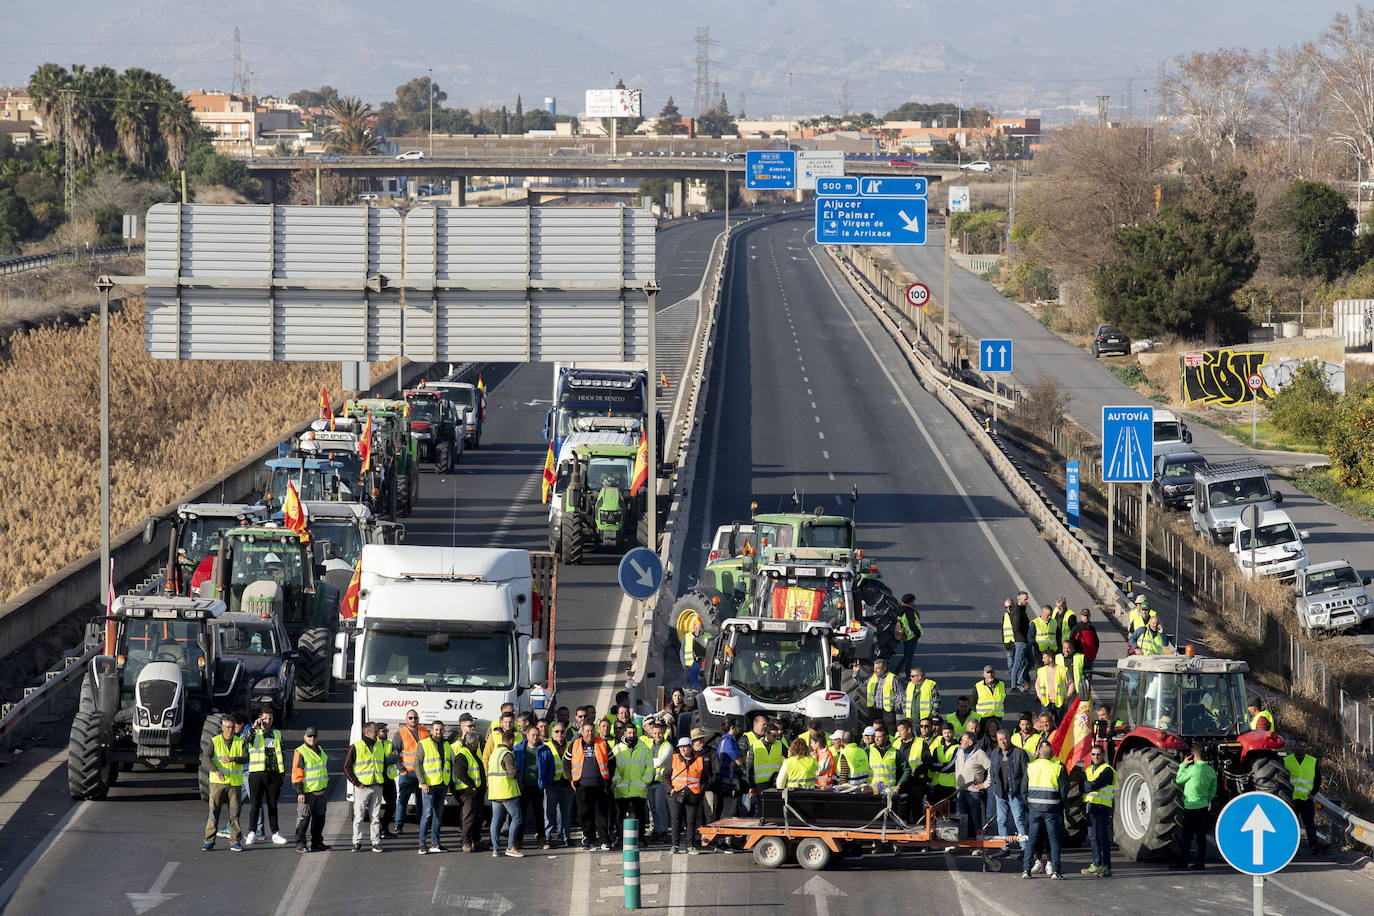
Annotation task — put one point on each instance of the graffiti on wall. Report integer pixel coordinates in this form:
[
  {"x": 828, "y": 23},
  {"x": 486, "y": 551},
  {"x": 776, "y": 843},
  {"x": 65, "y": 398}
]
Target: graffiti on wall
[{"x": 1221, "y": 377}]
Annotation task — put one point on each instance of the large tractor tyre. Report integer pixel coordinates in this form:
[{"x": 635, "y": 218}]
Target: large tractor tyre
[
  {"x": 642, "y": 533},
  {"x": 403, "y": 494},
  {"x": 694, "y": 603},
  {"x": 1268, "y": 774},
  {"x": 1149, "y": 805},
  {"x": 88, "y": 777},
  {"x": 571, "y": 540},
  {"x": 1075, "y": 812},
  {"x": 312, "y": 665},
  {"x": 208, "y": 730},
  {"x": 443, "y": 458}
]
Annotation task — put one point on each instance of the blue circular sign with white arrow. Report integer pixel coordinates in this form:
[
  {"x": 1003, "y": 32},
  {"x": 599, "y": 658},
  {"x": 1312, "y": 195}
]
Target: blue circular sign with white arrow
[
  {"x": 1257, "y": 833},
  {"x": 640, "y": 573}
]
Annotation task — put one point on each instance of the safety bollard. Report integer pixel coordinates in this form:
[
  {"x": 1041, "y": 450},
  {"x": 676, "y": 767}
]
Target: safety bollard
[{"x": 630, "y": 862}]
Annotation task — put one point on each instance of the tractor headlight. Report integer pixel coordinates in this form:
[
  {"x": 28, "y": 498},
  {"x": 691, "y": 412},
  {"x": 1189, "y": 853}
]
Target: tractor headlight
[{"x": 143, "y": 716}]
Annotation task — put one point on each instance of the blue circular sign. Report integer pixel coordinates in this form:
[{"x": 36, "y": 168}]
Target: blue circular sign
[
  {"x": 640, "y": 573},
  {"x": 1257, "y": 833}
]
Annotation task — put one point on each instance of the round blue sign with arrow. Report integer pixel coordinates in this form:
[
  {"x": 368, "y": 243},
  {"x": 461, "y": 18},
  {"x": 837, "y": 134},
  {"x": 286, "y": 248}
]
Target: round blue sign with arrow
[
  {"x": 640, "y": 573},
  {"x": 1257, "y": 833}
]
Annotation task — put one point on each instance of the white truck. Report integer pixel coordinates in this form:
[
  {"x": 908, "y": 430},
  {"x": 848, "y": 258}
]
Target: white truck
[{"x": 450, "y": 630}]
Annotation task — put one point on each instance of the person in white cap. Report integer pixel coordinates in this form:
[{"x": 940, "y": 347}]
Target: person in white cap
[
  {"x": 684, "y": 796},
  {"x": 868, "y": 736},
  {"x": 1136, "y": 621}
]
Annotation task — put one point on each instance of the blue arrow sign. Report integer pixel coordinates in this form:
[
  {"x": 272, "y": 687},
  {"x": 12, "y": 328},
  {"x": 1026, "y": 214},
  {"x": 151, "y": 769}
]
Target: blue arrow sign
[
  {"x": 871, "y": 221},
  {"x": 640, "y": 573},
  {"x": 833, "y": 186},
  {"x": 1257, "y": 833},
  {"x": 768, "y": 169},
  {"x": 891, "y": 186},
  {"x": 1128, "y": 442},
  {"x": 994, "y": 354}
]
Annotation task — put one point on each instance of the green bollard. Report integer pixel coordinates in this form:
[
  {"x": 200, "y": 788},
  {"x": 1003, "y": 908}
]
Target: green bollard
[{"x": 630, "y": 862}]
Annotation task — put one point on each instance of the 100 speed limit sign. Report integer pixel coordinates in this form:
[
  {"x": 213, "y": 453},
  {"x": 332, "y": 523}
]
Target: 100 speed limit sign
[{"x": 918, "y": 294}]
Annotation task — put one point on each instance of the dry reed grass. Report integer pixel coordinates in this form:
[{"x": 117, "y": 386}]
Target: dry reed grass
[{"x": 63, "y": 291}]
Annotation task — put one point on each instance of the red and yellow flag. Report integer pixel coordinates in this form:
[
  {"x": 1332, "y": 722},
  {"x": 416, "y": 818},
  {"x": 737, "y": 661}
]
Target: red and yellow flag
[
  {"x": 795, "y": 603},
  {"x": 365, "y": 447},
  {"x": 325, "y": 409},
  {"x": 1074, "y": 737},
  {"x": 663, "y": 380},
  {"x": 639, "y": 477},
  {"x": 549, "y": 476},
  {"x": 348, "y": 607},
  {"x": 294, "y": 512}
]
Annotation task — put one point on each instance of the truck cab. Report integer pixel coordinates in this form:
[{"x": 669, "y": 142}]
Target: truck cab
[
  {"x": 314, "y": 478},
  {"x": 1221, "y": 491}
]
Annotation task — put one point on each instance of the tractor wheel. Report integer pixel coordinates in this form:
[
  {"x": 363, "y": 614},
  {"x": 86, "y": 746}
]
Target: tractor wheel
[
  {"x": 87, "y": 774},
  {"x": 697, "y": 604},
  {"x": 1149, "y": 805},
  {"x": 403, "y": 494},
  {"x": 208, "y": 730},
  {"x": 1075, "y": 812},
  {"x": 312, "y": 665},
  {"x": 443, "y": 458},
  {"x": 571, "y": 541},
  {"x": 1268, "y": 774}
]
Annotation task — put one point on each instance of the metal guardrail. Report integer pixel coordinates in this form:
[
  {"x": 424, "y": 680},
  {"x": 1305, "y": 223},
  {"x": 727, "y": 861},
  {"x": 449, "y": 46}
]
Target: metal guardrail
[
  {"x": 34, "y": 261},
  {"x": 1357, "y": 830}
]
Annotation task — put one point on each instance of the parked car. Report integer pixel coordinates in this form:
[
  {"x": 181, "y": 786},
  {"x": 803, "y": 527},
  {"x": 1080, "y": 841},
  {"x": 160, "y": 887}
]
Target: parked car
[
  {"x": 1107, "y": 339},
  {"x": 1278, "y": 553},
  {"x": 412, "y": 154},
  {"x": 902, "y": 162},
  {"x": 737, "y": 156},
  {"x": 1332, "y": 596},
  {"x": 977, "y": 165},
  {"x": 1172, "y": 486}
]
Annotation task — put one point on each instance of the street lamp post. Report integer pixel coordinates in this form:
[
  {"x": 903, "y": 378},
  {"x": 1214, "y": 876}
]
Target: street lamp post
[
  {"x": 105, "y": 284},
  {"x": 789, "y": 109},
  {"x": 959, "y": 131},
  {"x": 431, "y": 112}
]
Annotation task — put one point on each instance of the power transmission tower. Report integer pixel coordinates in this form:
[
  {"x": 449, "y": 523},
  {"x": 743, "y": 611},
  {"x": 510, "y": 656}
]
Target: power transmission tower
[
  {"x": 239, "y": 84},
  {"x": 844, "y": 99},
  {"x": 1130, "y": 99},
  {"x": 702, "y": 102},
  {"x": 1102, "y": 101},
  {"x": 69, "y": 149},
  {"x": 742, "y": 109}
]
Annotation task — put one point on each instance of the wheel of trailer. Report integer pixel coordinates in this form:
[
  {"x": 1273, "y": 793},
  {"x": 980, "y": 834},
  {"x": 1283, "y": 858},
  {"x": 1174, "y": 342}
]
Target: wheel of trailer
[
  {"x": 87, "y": 774},
  {"x": 992, "y": 862},
  {"x": 813, "y": 854},
  {"x": 1149, "y": 805},
  {"x": 208, "y": 730},
  {"x": 1075, "y": 812},
  {"x": 770, "y": 852},
  {"x": 443, "y": 458},
  {"x": 1268, "y": 774},
  {"x": 570, "y": 541},
  {"x": 312, "y": 665}
]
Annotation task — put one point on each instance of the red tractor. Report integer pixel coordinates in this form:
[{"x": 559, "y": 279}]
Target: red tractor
[{"x": 1163, "y": 704}]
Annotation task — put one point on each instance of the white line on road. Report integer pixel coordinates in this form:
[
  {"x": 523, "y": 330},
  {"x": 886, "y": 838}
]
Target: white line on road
[
  {"x": 818, "y": 419},
  {"x": 438, "y": 884},
  {"x": 677, "y": 884},
  {"x": 832, "y": 477},
  {"x": 517, "y": 506},
  {"x": 825, "y": 455},
  {"x": 304, "y": 880},
  {"x": 1301, "y": 896},
  {"x": 813, "y": 405},
  {"x": 972, "y": 901},
  {"x": 821, "y": 434},
  {"x": 837, "y": 499}
]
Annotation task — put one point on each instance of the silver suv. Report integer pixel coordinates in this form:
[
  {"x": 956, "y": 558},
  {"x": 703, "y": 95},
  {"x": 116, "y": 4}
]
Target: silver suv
[
  {"x": 1332, "y": 596},
  {"x": 1221, "y": 491}
]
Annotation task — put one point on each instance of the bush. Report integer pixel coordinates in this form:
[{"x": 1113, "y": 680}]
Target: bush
[
  {"x": 109, "y": 223},
  {"x": 1031, "y": 282},
  {"x": 1304, "y": 407},
  {"x": 984, "y": 228},
  {"x": 1350, "y": 437}
]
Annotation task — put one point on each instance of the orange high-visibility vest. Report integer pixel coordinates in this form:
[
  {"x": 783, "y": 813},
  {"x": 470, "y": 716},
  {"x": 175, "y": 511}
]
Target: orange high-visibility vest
[
  {"x": 825, "y": 769},
  {"x": 687, "y": 775},
  {"x": 601, "y": 752},
  {"x": 409, "y": 742}
]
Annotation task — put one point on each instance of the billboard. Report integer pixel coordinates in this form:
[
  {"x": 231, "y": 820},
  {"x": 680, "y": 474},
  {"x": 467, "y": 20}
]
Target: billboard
[
  {"x": 612, "y": 103},
  {"x": 812, "y": 164}
]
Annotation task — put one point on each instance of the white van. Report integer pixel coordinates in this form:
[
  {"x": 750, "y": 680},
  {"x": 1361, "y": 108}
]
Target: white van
[{"x": 1278, "y": 550}]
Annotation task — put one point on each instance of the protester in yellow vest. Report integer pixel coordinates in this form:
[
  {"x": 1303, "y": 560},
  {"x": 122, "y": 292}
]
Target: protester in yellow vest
[
  {"x": 310, "y": 779},
  {"x": 225, "y": 763},
  {"x": 991, "y": 696},
  {"x": 799, "y": 769},
  {"x": 1305, "y": 771},
  {"x": 266, "y": 771},
  {"x": 365, "y": 768},
  {"x": 922, "y": 696},
  {"x": 503, "y": 789},
  {"x": 465, "y": 776},
  {"x": 880, "y": 696},
  {"x": 434, "y": 763},
  {"x": 1099, "y": 796},
  {"x": 1052, "y": 685}
]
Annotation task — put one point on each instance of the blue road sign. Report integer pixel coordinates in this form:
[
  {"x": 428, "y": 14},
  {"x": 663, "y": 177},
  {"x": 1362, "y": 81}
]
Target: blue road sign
[
  {"x": 1128, "y": 442},
  {"x": 1071, "y": 492},
  {"x": 640, "y": 573},
  {"x": 891, "y": 186},
  {"x": 1257, "y": 833},
  {"x": 871, "y": 220},
  {"x": 994, "y": 354},
  {"x": 769, "y": 169},
  {"x": 835, "y": 186}
]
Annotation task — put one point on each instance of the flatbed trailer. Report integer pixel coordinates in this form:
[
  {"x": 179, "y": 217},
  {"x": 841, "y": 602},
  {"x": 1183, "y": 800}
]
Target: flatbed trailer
[{"x": 815, "y": 846}]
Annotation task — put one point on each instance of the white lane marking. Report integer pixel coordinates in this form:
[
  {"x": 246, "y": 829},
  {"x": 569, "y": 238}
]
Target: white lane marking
[
  {"x": 1301, "y": 896},
  {"x": 518, "y": 505},
  {"x": 438, "y": 884},
  {"x": 825, "y": 455},
  {"x": 813, "y": 405},
  {"x": 972, "y": 901},
  {"x": 8, "y": 889},
  {"x": 822, "y": 435},
  {"x": 304, "y": 880},
  {"x": 677, "y": 884},
  {"x": 808, "y": 391},
  {"x": 925, "y": 433},
  {"x": 806, "y": 380},
  {"x": 837, "y": 499},
  {"x": 817, "y": 419},
  {"x": 154, "y": 897},
  {"x": 832, "y": 477}
]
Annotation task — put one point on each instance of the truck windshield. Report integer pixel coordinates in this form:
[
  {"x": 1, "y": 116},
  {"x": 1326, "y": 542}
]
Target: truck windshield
[
  {"x": 609, "y": 472},
  {"x": 463, "y": 397},
  {"x": 777, "y": 667},
  {"x": 311, "y": 483},
  {"x": 1238, "y": 492},
  {"x": 420, "y": 661},
  {"x": 342, "y": 533},
  {"x": 265, "y": 561},
  {"x": 426, "y": 409},
  {"x": 1266, "y": 536},
  {"x": 200, "y": 536},
  {"x": 1329, "y": 580},
  {"x": 175, "y": 641}
]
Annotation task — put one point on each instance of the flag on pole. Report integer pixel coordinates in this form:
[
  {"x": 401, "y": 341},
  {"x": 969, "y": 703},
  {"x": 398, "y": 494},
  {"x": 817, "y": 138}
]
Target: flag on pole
[
  {"x": 325, "y": 409},
  {"x": 1074, "y": 737},
  {"x": 481, "y": 387},
  {"x": 663, "y": 378},
  {"x": 481, "y": 399},
  {"x": 348, "y": 608},
  {"x": 640, "y": 476},
  {"x": 549, "y": 476},
  {"x": 294, "y": 513},
  {"x": 365, "y": 447}
]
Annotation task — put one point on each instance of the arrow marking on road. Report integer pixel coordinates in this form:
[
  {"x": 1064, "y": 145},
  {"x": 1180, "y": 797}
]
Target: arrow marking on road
[
  {"x": 911, "y": 224},
  {"x": 142, "y": 903},
  {"x": 820, "y": 889},
  {"x": 644, "y": 577},
  {"x": 1257, "y": 825}
]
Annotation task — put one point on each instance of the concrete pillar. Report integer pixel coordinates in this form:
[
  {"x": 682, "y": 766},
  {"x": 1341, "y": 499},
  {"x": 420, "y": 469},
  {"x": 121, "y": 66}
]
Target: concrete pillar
[
  {"x": 460, "y": 190},
  {"x": 269, "y": 189},
  {"x": 679, "y": 196}
]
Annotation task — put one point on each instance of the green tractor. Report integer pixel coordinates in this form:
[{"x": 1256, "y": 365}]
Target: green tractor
[
  {"x": 399, "y": 460},
  {"x": 271, "y": 571},
  {"x": 590, "y": 506}
]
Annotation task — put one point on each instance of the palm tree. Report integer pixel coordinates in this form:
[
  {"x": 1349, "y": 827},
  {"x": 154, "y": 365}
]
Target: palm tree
[
  {"x": 45, "y": 88},
  {"x": 176, "y": 125},
  {"x": 351, "y": 112},
  {"x": 351, "y": 141},
  {"x": 136, "y": 114}
]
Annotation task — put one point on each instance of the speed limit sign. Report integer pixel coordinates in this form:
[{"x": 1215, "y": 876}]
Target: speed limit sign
[
  {"x": 1256, "y": 382},
  {"x": 918, "y": 294}
]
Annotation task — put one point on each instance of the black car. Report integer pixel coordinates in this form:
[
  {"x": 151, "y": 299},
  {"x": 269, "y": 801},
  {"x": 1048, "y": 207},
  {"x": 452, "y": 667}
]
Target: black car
[
  {"x": 1107, "y": 339},
  {"x": 261, "y": 645},
  {"x": 1172, "y": 486}
]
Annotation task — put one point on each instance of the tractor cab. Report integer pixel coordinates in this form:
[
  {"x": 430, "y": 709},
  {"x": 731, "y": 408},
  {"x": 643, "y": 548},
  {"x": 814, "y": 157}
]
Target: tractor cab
[
  {"x": 818, "y": 585},
  {"x": 267, "y": 571},
  {"x": 590, "y": 505},
  {"x": 314, "y": 478},
  {"x": 341, "y": 447},
  {"x": 196, "y": 531}
]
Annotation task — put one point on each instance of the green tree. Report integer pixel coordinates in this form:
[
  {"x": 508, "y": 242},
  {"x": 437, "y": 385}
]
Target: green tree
[
  {"x": 1179, "y": 275},
  {"x": 310, "y": 98},
  {"x": 1350, "y": 436},
  {"x": 539, "y": 119},
  {"x": 715, "y": 193},
  {"x": 518, "y": 124},
  {"x": 504, "y": 122},
  {"x": 670, "y": 120},
  {"x": 350, "y": 111},
  {"x": 656, "y": 189},
  {"x": 412, "y": 98},
  {"x": 945, "y": 151},
  {"x": 16, "y": 222},
  {"x": 1312, "y": 229},
  {"x": 717, "y": 122},
  {"x": 924, "y": 111},
  {"x": 1304, "y": 406},
  {"x": 352, "y": 141}
]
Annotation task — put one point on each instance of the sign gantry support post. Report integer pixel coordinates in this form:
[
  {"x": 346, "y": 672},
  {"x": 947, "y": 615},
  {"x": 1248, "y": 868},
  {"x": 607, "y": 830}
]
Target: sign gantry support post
[{"x": 651, "y": 421}]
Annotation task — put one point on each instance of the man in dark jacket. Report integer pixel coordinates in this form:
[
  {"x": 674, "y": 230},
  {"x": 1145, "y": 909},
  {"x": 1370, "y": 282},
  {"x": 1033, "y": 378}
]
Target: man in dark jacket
[
  {"x": 1085, "y": 639},
  {"x": 1015, "y": 625},
  {"x": 1007, "y": 771}
]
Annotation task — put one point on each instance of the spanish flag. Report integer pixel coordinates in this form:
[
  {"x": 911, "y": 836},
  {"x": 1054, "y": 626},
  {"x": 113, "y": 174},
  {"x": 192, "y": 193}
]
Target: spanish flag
[
  {"x": 1073, "y": 738},
  {"x": 325, "y": 409},
  {"x": 549, "y": 476},
  {"x": 798, "y": 603},
  {"x": 639, "y": 477},
  {"x": 663, "y": 379},
  {"x": 294, "y": 513},
  {"x": 349, "y": 606},
  {"x": 365, "y": 447}
]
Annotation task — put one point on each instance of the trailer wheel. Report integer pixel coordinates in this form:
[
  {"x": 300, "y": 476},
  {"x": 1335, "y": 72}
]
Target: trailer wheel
[
  {"x": 813, "y": 854},
  {"x": 991, "y": 862},
  {"x": 770, "y": 852}
]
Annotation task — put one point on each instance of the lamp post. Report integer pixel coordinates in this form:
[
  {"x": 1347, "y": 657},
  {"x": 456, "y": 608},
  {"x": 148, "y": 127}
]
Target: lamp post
[
  {"x": 105, "y": 284},
  {"x": 959, "y": 131},
  {"x": 431, "y": 112},
  {"x": 789, "y": 109}
]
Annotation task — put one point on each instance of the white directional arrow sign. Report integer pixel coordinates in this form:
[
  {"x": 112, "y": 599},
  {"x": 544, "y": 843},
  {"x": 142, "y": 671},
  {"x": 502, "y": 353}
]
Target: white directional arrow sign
[
  {"x": 912, "y": 225},
  {"x": 644, "y": 577},
  {"x": 154, "y": 896},
  {"x": 820, "y": 890},
  {"x": 1257, "y": 825}
]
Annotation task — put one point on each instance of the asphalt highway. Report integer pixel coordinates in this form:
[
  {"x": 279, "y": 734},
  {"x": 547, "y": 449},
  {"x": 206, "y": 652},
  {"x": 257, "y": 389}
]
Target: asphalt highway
[{"x": 809, "y": 393}]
